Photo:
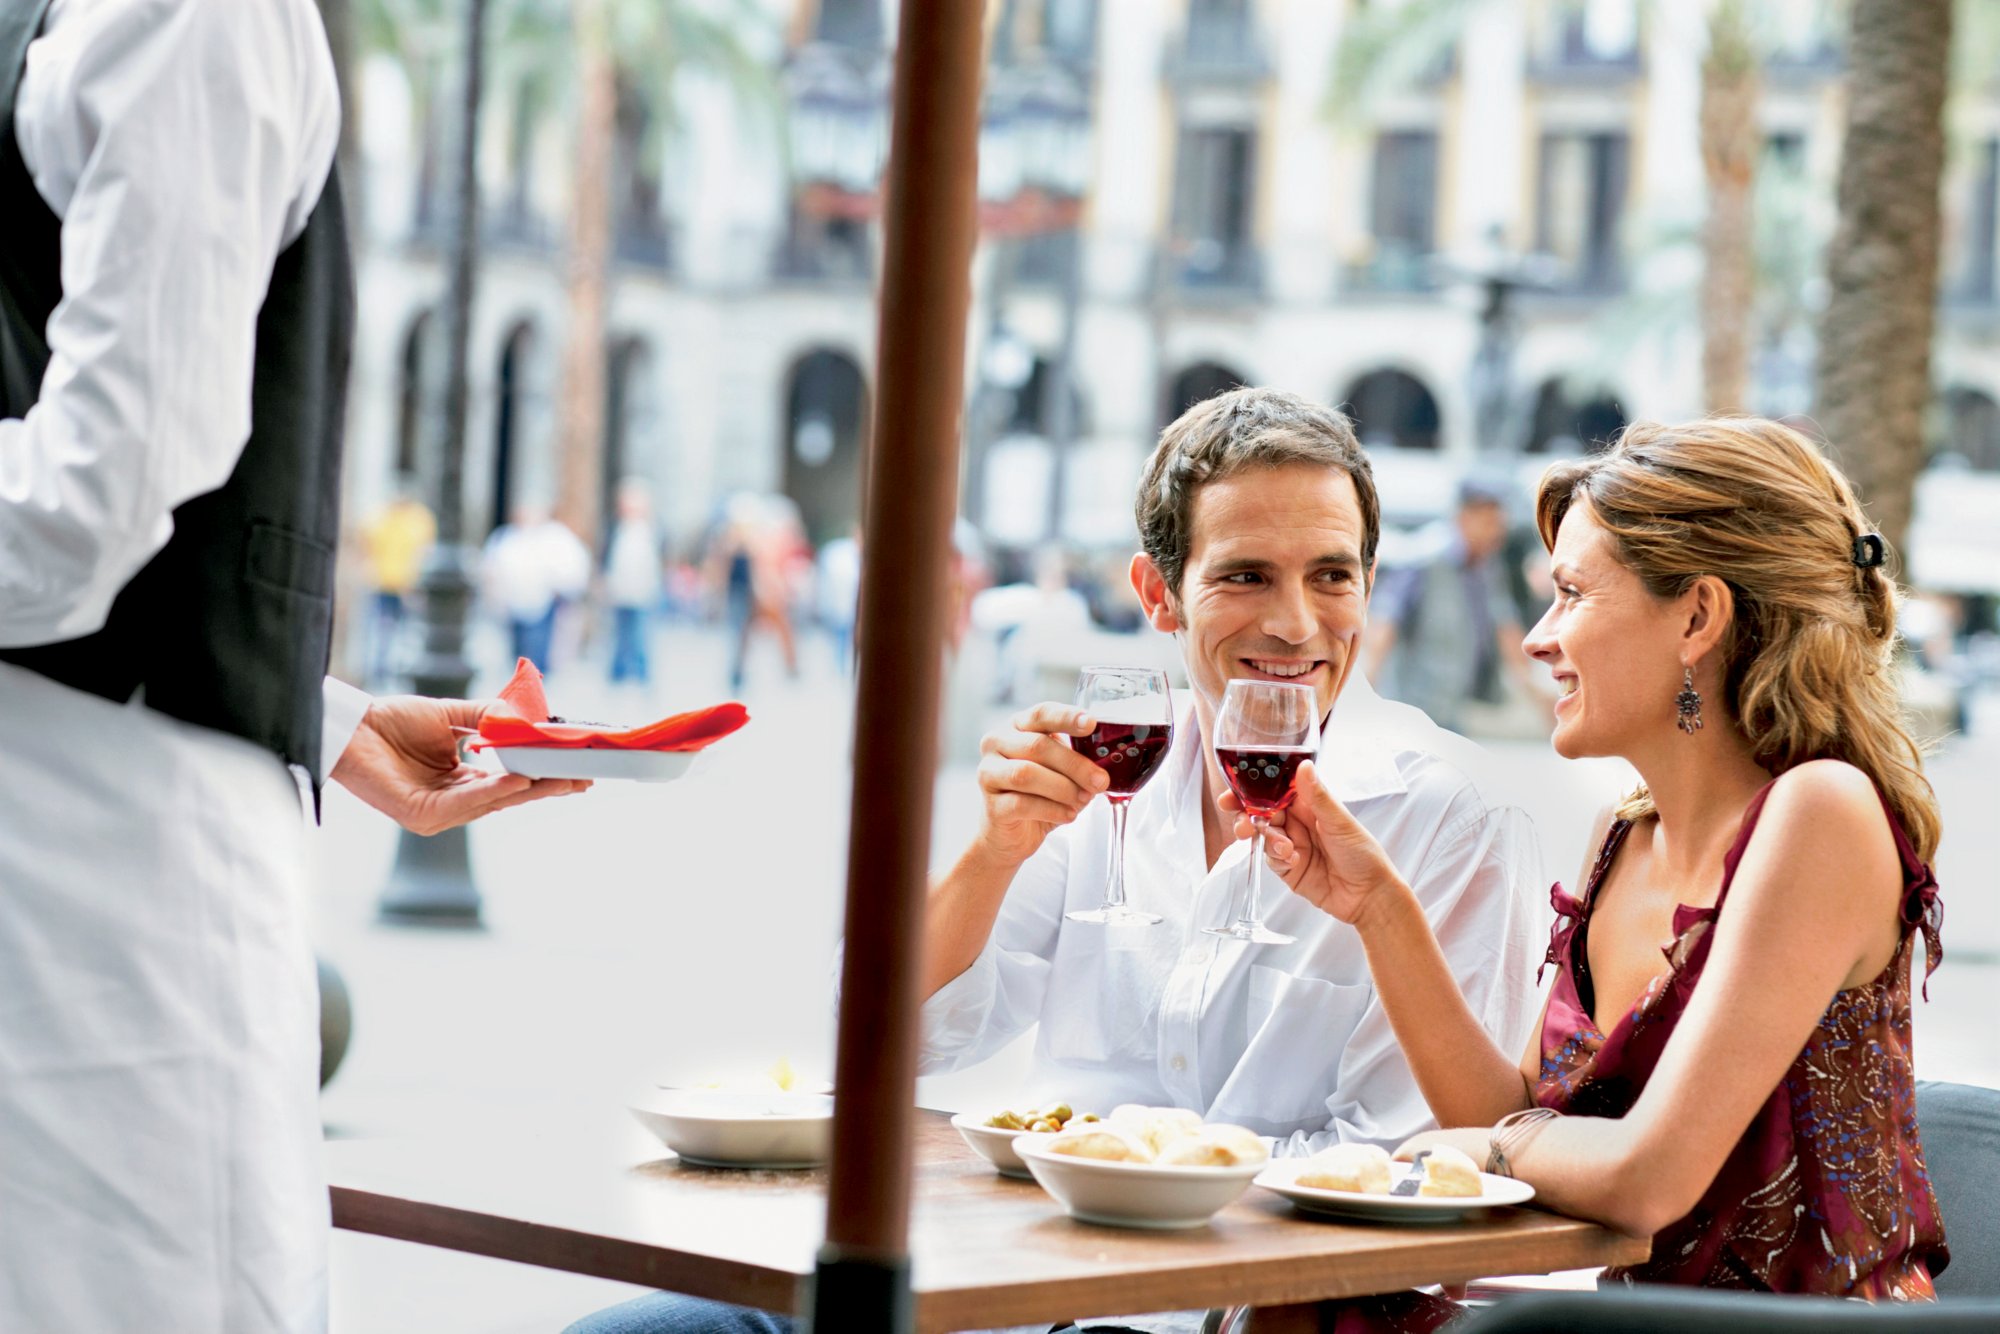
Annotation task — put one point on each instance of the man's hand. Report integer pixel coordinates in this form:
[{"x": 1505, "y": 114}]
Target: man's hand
[
  {"x": 404, "y": 762},
  {"x": 1321, "y": 851},
  {"x": 1032, "y": 781}
]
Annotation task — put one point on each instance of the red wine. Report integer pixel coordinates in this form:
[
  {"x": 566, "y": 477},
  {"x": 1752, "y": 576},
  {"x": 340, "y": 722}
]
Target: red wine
[
  {"x": 1261, "y": 779},
  {"x": 1127, "y": 752}
]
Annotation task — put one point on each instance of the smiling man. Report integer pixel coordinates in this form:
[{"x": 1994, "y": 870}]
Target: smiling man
[{"x": 1259, "y": 522}]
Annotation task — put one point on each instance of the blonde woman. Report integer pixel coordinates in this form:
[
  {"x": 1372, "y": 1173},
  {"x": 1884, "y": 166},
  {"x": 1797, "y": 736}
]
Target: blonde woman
[{"x": 1724, "y": 1062}]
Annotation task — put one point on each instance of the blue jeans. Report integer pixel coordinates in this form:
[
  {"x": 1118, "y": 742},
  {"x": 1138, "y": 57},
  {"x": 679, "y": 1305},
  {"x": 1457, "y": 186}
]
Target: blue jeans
[
  {"x": 671, "y": 1313},
  {"x": 534, "y": 638},
  {"x": 628, "y": 644}
]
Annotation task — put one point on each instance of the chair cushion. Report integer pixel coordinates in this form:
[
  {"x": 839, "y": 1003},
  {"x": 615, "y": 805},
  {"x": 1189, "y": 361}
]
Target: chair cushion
[{"x": 1960, "y": 1125}]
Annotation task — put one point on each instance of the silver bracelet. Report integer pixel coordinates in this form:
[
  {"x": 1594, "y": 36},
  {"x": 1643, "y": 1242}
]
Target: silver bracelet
[{"x": 1510, "y": 1133}]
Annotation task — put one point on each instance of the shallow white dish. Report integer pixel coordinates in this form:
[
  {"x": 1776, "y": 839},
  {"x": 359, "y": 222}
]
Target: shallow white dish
[
  {"x": 640, "y": 766},
  {"x": 1497, "y": 1191},
  {"x": 1141, "y": 1195},
  {"x": 713, "y": 1128},
  {"x": 994, "y": 1144}
]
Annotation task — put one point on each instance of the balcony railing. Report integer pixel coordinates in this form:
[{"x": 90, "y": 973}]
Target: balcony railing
[{"x": 1212, "y": 270}]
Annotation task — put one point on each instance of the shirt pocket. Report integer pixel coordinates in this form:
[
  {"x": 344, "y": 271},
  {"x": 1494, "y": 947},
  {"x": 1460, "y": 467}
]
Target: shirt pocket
[{"x": 1299, "y": 1028}]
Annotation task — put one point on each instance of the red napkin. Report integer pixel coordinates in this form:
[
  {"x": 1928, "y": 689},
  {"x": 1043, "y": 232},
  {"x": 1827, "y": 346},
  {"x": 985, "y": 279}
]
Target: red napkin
[{"x": 521, "y": 719}]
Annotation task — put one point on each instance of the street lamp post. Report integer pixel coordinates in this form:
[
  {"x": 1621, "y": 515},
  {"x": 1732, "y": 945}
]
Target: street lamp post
[
  {"x": 1499, "y": 276},
  {"x": 431, "y": 881}
]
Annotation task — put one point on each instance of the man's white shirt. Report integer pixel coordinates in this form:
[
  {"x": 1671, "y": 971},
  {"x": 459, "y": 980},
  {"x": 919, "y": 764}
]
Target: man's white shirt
[
  {"x": 146, "y": 401},
  {"x": 1289, "y": 1040}
]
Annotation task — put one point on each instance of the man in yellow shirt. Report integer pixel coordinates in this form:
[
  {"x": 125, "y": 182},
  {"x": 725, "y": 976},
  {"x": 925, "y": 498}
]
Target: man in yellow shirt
[{"x": 396, "y": 540}]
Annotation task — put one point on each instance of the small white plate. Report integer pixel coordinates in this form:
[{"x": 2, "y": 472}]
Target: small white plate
[
  {"x": 641, "y": 766},
  {"x": 712, "y": 1128},
  {"x": 1142, "y": 1195},
  {"x": 1496, "y": 1192}
]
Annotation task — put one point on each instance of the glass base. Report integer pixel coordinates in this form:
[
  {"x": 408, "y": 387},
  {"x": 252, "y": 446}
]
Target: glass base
[
  {"x": 1110, "y": 916},
  {"x": 1254, "y": 932}
]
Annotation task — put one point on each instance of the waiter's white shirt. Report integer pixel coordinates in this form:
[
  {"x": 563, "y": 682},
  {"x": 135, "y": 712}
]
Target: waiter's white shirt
[
  {"x": 1289, "y": 1040},
  {"x": 183, "y": 143},
  {"x": 158, "y": 1012}
]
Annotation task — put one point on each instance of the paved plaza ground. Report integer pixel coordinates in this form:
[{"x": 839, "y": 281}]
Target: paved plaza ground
[{"x": 641, "y": 934}]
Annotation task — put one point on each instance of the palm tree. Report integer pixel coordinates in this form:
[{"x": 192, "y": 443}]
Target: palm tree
[
  {"x": 639, "y": 49},
  {"x": 1873, "y": 374},
  {"x": 1730, "y": 146}
]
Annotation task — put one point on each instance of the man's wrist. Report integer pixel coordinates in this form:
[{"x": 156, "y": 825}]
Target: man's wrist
[{"x": 1385, "y": 908}]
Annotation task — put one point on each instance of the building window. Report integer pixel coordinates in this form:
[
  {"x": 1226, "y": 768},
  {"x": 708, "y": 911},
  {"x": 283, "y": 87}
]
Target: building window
[
  {"x": 1402, "y": 210},
  {"x": 414, "y": 390},
  {"x": 1392, "y": 408},
  {"x": 1972, "y": 428},
  {"x": 1214, "y": 194},
  {"x": 856, "y": 23},
  {"x": 1069, "y": 30},
  {"x": 1564, "y": 426},
  {"x": 1597, "y": 32},
  {"x": 639, "y": 227},
  {"x": 1581, "y": 206},
  {"x": 1221, "y": 42},
  {"x": 1970, "y": 257}
]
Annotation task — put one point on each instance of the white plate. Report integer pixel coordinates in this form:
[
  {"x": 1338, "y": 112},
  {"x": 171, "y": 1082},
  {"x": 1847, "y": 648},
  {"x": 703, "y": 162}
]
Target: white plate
[
  {"x": 642, "y": 766},
  {"x": 1496, "y": 1191},
  {"x": 761, "y": 1130},
  {"x": 993, "y": 1143},
  {"x": 1141, "y": 1195}
]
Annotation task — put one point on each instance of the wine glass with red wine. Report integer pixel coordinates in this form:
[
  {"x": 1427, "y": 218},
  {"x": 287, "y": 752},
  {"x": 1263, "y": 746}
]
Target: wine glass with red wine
[
  {"x": 1134, "y": 713},
  {"x": 1266, "y": 729}
]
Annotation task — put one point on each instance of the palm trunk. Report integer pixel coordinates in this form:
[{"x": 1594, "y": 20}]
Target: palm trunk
[
  {"x": 1875, "y": 334},
  {"x": 580, "y": 435},
  {"x": 1729, "y": 148}
]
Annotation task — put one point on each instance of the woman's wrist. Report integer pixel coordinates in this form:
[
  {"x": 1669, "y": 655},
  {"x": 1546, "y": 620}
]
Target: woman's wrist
[{"x": 1386, "y": 907}]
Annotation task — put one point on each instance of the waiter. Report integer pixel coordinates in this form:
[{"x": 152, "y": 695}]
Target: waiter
[{"x": 176, "y": 307}]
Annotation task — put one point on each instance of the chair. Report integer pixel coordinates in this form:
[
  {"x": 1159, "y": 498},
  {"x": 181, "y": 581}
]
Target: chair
[
  {"x": 1665, "y": 1310},
  {"x": 1961, "y": 1130}
]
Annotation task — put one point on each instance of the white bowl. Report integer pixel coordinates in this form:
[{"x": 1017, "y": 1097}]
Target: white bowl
[
  {"x": 714, "y": 1128},
  {"x": 995, "y": 1144},
  {"x": 1141, "y": 1195}
]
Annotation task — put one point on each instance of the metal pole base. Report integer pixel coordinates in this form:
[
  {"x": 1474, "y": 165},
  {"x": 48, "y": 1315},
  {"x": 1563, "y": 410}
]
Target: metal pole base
[
  {"x": 431, "y": 883},
  {"x": 852, "y": 1292}
]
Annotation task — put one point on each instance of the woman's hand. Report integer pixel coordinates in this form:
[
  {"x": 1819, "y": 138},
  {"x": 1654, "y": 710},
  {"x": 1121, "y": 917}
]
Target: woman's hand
[
  {"x": 1320, "y": 851},
  {"x": 1475, "y": 1142}
]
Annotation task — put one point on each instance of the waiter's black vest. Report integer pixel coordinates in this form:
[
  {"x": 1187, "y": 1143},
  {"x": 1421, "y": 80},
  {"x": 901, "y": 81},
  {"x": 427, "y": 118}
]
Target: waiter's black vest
[{"x": 228, "y": 626}]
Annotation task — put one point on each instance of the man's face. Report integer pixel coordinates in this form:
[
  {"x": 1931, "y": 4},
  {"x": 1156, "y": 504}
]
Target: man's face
[
  {"x": 1483, "y": 526},
  {"x": 1274, "y": 588}
]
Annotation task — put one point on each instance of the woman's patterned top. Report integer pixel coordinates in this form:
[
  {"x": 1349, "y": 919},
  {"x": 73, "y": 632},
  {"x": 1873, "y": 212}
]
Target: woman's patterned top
[{"x": 1826, "y": 1192}]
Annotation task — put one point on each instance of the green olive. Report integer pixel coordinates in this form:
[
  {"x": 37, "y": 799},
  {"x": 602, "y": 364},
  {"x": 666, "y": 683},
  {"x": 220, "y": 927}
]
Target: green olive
[
  {"x": 1089, "y": 1116},
  {"x": 1061, "y": 1113}
]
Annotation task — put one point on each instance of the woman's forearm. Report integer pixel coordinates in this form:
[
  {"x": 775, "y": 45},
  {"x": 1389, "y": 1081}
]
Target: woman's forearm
[{"x": 1465, "y": 1078}]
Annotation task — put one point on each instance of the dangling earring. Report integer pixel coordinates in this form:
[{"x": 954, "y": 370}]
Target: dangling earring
[{"x": 1689, "y": 703}]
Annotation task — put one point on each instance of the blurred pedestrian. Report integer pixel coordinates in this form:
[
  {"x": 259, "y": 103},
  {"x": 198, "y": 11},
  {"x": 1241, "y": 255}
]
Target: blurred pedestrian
[
  {"x": 755, "y": 561},
  {"x": 1444, "y": 632},
  {"x": 633, "y": 582},
  {"x": 531, "y": 566},
  {"x": 176, "y": 311},
  {"x": 395, "y": 539},
  {"x": 839, "y": 587}
]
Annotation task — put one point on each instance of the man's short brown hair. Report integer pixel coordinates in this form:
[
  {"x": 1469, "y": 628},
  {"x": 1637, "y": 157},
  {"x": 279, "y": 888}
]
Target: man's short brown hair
[{"x": 1222, "y": 436}]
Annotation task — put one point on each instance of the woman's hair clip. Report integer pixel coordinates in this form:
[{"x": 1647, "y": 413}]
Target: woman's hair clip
[{"x": 1869, "y": 550}]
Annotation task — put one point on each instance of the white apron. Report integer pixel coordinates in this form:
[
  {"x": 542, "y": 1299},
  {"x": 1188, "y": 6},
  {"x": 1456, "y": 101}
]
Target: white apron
[{"x": 159, "y": 1049}]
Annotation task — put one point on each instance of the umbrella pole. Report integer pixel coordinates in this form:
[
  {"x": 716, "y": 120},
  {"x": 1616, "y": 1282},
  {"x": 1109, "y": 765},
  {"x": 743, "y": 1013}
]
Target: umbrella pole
[{"x": 863, "y": 1279}]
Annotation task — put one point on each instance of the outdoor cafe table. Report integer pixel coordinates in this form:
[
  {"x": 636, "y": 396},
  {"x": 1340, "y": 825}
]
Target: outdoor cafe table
[{"x": 988, "y": 1251}]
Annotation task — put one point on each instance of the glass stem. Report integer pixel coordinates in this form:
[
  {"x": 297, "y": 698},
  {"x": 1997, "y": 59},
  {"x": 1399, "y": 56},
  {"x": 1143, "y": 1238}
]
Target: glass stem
[
  {"x": 1114, "y": 893},
  {"x": 1249, "y": 917}
]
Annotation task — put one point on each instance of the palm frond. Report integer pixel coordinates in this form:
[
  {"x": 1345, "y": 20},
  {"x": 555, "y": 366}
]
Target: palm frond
[{"x": 1384, "y": 48}]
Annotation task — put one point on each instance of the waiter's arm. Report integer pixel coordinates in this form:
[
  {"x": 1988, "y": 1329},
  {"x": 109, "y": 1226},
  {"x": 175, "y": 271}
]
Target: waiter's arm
[{"x": 182, "y": 145}]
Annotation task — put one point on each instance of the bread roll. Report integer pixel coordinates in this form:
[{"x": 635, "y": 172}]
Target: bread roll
[
  {"x": 1155, "y": 1127},
  {"x": 1449, "y": 1173},
  {"x": 1360, "y": 1168},
  {"x": 1219, "y": 1145},
  {"x": 1109, "y": 1146}
]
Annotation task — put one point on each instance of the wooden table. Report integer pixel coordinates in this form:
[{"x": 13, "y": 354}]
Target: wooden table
[{"x": 988, "y": 1251}]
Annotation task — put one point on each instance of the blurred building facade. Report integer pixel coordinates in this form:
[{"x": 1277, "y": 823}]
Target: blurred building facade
[{"x": 1491, "y": 261}]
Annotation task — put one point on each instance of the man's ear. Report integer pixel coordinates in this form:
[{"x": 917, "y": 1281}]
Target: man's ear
[{"x": 1151, "y": 586}]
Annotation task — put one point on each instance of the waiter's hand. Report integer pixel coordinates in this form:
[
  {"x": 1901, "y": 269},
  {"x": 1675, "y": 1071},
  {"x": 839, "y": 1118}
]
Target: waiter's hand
[
  {"x": 1032, "y": 781},
  {"x": 404, "y": 762},
  {"x": 1320, "y": 850}
]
